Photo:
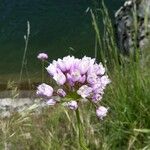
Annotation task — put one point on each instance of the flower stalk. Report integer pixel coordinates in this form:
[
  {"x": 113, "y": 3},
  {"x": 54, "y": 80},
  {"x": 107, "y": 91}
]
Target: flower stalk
[
  {"x": 42, "y": 71},
  {"x": 80, "y": 131}
]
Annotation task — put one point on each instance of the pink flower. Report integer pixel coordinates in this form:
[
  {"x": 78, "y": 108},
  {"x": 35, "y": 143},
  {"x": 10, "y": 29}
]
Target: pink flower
[
  {"x": 105, "y": 80},
  {"x": 96, "y": 98},
  {"x": 101, "y": 112},
  {"x": 51, "y": 102},
  {"x": 82, "y": 79},
  {"x": 75, "y": 75},
  {"x": 92, "y": 78},
  {"x": 61, "y": 66},
  {"x": 84, "y": 91},
  {"x": 44, "y": 90},
  {"x": 51, "y": 69},
  {"x": 42, "y": 56},
  {"x": 61, "y": 92},
  {"x": 85, "y": 64},
  {"x": 60, "y": 78},
  {"x": 101, "y": 69},
  {"x": 73, "y": 105},
  {"x": 68, "y": 62},
  {"x": 98, "y": 69},
  {"x": 98, "y": 88},
  {"x": 77, "y": 79},
  {"x": 69, "y": 80}
]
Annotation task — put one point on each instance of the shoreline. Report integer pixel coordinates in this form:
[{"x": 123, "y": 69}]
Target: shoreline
[
  {"x": 9, "y": 106},
  {"x": 20, "y": 86},
  {"x": 18, "y": 94}
]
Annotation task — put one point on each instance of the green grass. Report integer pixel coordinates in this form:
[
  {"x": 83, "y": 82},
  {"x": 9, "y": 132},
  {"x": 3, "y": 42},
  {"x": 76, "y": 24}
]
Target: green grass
[{"x": 127, "y": 126}]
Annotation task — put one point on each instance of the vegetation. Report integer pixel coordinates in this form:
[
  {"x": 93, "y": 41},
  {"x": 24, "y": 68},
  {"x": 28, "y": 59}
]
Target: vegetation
[{"x": 127, "y": 126}]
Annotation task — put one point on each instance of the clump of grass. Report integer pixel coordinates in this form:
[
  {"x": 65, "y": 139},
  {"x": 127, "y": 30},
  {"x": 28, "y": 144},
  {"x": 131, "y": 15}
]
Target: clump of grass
[
  {"x": 128, "y": 96},
  {"x": 24, "y": 60}
]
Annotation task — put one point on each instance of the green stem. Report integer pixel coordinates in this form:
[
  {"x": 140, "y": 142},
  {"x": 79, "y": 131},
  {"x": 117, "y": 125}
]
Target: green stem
[
  {"x": 42, "y": 71},
  {"x": 80, "y": 130},
  {"x": 25, "y": 50}
]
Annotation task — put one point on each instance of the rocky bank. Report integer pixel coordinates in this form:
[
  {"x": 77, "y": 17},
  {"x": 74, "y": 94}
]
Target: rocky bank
[{"x": 133, "y": 25}]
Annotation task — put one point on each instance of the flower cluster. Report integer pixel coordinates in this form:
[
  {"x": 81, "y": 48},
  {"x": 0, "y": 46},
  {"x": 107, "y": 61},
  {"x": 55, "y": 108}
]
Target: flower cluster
[{"x": 77, "y": 79}]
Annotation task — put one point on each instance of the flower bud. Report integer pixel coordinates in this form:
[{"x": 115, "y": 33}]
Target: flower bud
[
  {"x": 44, "y": 90},
  {"x": 101, "y": 112},
  {"x": 73, "y": 105},
  {"x": 42, "y": 56},
  {"x": 51, "y": 102},
  {"x": 61, "y": 92}
]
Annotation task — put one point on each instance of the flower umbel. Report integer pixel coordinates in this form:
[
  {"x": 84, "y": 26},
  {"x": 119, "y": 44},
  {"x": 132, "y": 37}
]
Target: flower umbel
[{"x": 77, "y": 79}]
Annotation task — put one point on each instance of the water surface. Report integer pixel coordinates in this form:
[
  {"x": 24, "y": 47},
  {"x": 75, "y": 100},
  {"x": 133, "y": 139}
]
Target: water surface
[{"x": 56, "y": 25}]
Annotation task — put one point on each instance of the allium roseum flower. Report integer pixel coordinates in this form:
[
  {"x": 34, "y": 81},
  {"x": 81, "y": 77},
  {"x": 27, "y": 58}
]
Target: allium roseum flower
[
  {"x": 101, "y": 112},
  {"x": 96, "y": 98},
  {"x": 51, "y": 102},
  {"x": 44, "y": 90},
  {"x": 60, "y": 78},
  {"x": 72, "y": 105},
  {"x": 42, "y": 56},
  {"x": 85, "y": 91},
  {"x": 77, "y": 79},
  {"x": 61, "y": 92}
]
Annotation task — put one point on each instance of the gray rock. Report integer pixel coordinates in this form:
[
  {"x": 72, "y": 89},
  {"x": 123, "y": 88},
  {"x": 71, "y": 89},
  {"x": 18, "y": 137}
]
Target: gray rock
[
  {"x": 8, "y": 106},
  {"x": 130, "y": 36},
  {"x": 25, "y": 102}
]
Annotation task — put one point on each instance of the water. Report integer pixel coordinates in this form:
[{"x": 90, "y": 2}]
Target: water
[{"x": 56, "y": 25}]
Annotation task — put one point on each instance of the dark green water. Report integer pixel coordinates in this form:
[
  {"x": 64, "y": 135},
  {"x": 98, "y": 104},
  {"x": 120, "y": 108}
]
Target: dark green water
[{"x": 56, "y": 25}]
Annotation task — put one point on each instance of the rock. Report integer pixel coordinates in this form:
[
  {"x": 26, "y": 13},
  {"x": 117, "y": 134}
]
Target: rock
[
  {"x": 25, "y": 102},
  {"x": 130, "y": 36},
  {"x": 8, "y": 106}
]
